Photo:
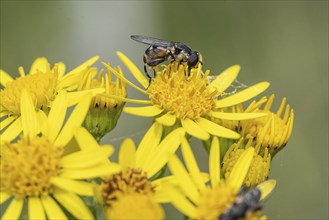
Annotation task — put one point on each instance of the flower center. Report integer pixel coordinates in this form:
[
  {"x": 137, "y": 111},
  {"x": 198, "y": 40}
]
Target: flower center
[
  {"x": 185, "y": 97},
  {"x": 258, "y": 171},
  {"x": 28, "y": 165},
  {"x": 215, "y": 201},
  {"x": 126, "y": 182},
  {"x": 42, "y": 87},
  {"x": 134, "y": 206}
]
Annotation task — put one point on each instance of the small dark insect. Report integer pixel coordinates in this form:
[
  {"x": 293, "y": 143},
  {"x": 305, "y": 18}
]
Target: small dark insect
[
  {"x": 160, "y": 51},
  {"x": 245, "y": 203}
]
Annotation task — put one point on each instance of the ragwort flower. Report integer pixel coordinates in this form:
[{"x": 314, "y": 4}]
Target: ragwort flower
[
  {"x": 223, "y": 197},
  {"x": 259, "y": 167},
  {"x": 274, "y": 130},
  {"x": 190, "y": 102},
  {"x": 43, "y": 83},
  {"x": 132, "y": 188},
  {"x": 36, "y": 171},
  {"x": 104, "y": 111}
]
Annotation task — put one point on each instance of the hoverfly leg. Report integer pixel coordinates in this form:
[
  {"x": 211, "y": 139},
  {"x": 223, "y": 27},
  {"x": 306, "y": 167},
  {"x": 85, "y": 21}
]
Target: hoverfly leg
[
  {"x": 155, "y": 61},
  {"x": 154, "y": 72},
  {"x": 147, "y": 74},
  {"x": 188, "y": 73}
]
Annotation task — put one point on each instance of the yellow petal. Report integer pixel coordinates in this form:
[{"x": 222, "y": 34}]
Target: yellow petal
[
  {"x": 75, "y": 120},
  {"x": 82, "y": 66},
  {"x": 236, "y": 116},
  {"x": 86, "y": 158},
  {"x": 216, "y": 129},
  {"x": 266, "y": 188},
  {"x": 78, "y": 187},
  {"x": 28, "y": 115},
  {"x": 166, "y": 119},
  {"x": 134, "y": 70},
  {"x": 74, "y": 204},
  {"x": 5, "y": 78},
  {"x": 53, "y": 211},
  {"x": 85, "y": 140},
  {"x": 57, "y": 115},
  {"x": 72, "y": 77},
  {"x": 147, "y": 145},
  {"x": 191, "y": 164},
  {"x": 225, "y": 79},
  {"x": 2, "y": 113},
  {"x": 135, "y": 101},
  {"x": 166, "y": 182},
  {"x": 14, "y": 209},
  {"x": 240, "y": 169},
  {"x": 182, "y": 204},
  {"x": 61, "y": 70},
  {"x": 4, "y": 196},
  {"x": 43, "y": 126},
  {"x": 242, "y": 96},
  {"x": 76, "y": 96},
  {"x": 127, "y": 154},
  {"x": 147, "y": 111},
  {"x": 214, "y": 162},
  {"x": 100, "y": 170},
  {"x": 184, "y": 179},
  {"x": 194, "y": 129},
  {"x": 4, "y": 123},
  {"x": 12, "y": 131},
  {"x": 161, "y": 196},
  {"x": 40, "y": 64},
  {"x": 162, "y": 153},
  {"x": 123, "y": 79},
  {"x": 36, "y": 210}
]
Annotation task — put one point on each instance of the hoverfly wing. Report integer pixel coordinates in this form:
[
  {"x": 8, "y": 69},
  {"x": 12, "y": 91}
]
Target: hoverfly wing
[{"x": 151, "y": 41}]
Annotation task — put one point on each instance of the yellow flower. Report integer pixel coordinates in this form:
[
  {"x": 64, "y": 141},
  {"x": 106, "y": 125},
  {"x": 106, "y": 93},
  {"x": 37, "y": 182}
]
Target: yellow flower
[
  {"x": 272, "y": 131},
  {"x": 259, "y": 167},
  {"x": 189, "y": 103},
  {"x": 230, "y": 124},
  {"x": 104, "y": 111},
  {"x": 222, "y": 198},
  {"x": 132, "y": 187},
  {"x": 43, "y": 83},
  {"x": 37, "y": 170}
]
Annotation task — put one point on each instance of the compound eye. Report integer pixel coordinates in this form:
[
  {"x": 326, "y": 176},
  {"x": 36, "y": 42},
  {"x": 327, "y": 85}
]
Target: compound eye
[{"x": 193, "y": 59}]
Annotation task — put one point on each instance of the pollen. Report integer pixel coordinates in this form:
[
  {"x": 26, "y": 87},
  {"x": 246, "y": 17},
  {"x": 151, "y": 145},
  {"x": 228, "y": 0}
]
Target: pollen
[
  {"x": 272, "y": 131},
  {"x": 259, "y": 167},
  {"x": 28, "y": 165},
  {"x": 134, "y": 206},
  {"x": 183, "y": 96},
  {"x": 42, "y": 87},
  {"x": 215, "y": 201},
  {"x": 128, "y": 181}
]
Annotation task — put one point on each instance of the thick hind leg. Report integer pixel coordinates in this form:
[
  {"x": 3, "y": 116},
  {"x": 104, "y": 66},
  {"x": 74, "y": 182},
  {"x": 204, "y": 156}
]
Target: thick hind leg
[{"x": 147, "y": 74}]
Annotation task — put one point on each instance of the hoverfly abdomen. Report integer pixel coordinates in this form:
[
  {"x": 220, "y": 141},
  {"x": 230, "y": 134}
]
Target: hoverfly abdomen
[{"x": 155, "y": 55}]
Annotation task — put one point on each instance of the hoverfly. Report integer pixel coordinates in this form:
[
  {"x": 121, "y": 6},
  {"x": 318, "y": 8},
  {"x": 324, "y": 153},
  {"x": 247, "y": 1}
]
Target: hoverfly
[
  {"x": 161, "y": 51},
  {"x": 246, "y": 202}
]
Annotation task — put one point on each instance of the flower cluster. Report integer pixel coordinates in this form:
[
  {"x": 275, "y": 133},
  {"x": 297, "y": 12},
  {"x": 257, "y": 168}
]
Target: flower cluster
[{"x": 53, "y": 166}]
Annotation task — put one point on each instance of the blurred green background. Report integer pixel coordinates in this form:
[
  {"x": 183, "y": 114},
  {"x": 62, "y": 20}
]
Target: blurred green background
[{"x": 283, "y": 42}]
